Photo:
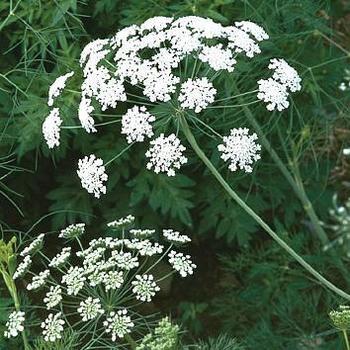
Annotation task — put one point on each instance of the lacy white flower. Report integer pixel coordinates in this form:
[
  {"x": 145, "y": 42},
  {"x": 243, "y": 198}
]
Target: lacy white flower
[
  {"x": 146, "y": 247},
  {"x": 175, "y": 236},
  {"x": 84, "y": 114},
  {"x": 285, "y": 74},
  {"x": 111, "y": 93},
  {"x": 92, "y": 175},
  {"x": 125, "y": 260},
  {"x": 252, "y": 28},
  {"x": 240, "y": 149},
  {"x": 51, "y": 128},
  {"x": 90, "y": 309},
  {"x": 61, "y": 258},
  {"x": 217, "y": 57},
  {"x": 53, "y": 327},
  {"x": 39, "y": 280},
  {"x": 34, "y": 246},
  {"x": 53, "y": 297},
  {"x": 181, "y": 263},
  {"x": 72, "y": 231},
  {"x": 274, "y": 93},
  {"x": 23, "y": 267},
  {"x": 166, "y": 155},
  {"x": 136, "y": 124},
  {"x": 122, "y": 222},
  {"x": 197, "y": 94},
  {"x": 74, "y": 279},
  {"x": 144, "y": 287},
  {"x": 113, "y": 280},
  {"x": 57, "y": 86},
  {"x": 14, "y": 324},
  {"x": 142, "y": 233},
  {"x": 96, "y": 277},
  {"x": 118, "y": 324}
]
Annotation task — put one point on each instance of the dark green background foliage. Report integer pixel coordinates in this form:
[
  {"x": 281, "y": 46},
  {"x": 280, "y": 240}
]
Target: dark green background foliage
[{"x": 253, "y": 292}]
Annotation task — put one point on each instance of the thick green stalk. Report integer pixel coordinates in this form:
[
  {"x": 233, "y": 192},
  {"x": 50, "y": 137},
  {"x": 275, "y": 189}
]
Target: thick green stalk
[
  {"x": 297, "y": 186},
  {"x": 345, "y": 334},
  {"x": 191, "y": 139}
]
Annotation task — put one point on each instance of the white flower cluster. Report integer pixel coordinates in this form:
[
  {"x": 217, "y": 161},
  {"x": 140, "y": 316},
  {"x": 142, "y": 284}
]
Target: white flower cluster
[
  {"x": 175, "y": 236},
  {"x": 34, "y": 246},
  {"x": 38, "y": 280},
  {"x": 145, "y": 287},
  {"x": 51, "y": 128},
  {"x": 181, "y": 263},
  {"x": 72, "y": 231},
  {"x": 122, "y": 222},
  {"x": 92, "y": 175},
  {"x": 118, "y": 324},
  {"x": 23, "y": 267},
  {"x": 53, "y": 327},
  {"x": 57, "y": 86},
  {"x": 166, "y": 154},
  {"x": 240, "y": 149},
  {"x": 275, "y": 91},
  {"x": 108, "y": 270},
  {"x": 14, "y": 324},
  {"x": 196, "y": 94},
  {"x": 136, "y": 124}
]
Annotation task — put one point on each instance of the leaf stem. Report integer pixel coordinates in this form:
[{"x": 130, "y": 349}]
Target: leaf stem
[
  {"x": 346, "y": 339},
  {"x": 191, "y": 139}
]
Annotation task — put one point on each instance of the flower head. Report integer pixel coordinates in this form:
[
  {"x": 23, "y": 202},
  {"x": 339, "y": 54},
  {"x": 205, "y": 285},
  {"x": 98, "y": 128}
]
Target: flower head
[
  {"x": 197, "y": 94},
  {"x": 57, "y": 86},
  {"x": 34, "y": 246},
  {"x": 14, "y": 324},
  {"x": 74, "y": 279},
  {"x": 144, "y": 287},
  {"x": 165, "y": 154},
  {"x": 175, "y": 236},
  {"x": 90, "y": 309},
  {"x": 23, "y": 267},
  {"x": 274, "y": 93},
  {"x": 61, "y": 258},
  {"x": 118, "y": 324},
  {"x": 136, "y": 124},
  {"x": 285, "y": 74},
  {"x": 341, "y": 317},
  {"x": 51, "y": 128},
  {"x": 181, "y": 263},
  {"x": 113, "y": 280},
  {"x": 53, "y": 327},
  {"x": 72, "y": 231},
  {"x": 92, "y": 175},
  {"x": 53, "y": 297},
  {"x": 122, "y": 222},
  {"x": 38, "y": 280},
  {"x": 240, "y": 149}
]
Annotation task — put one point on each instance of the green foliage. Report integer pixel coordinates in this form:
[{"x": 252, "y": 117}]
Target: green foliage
[
  {"x": 223, "y": 342},
  {"x": 69, "y": 341}
]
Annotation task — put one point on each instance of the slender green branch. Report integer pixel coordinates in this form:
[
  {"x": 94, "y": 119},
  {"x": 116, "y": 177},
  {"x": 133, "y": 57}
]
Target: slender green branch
[
  {"x": 346, "y": 339},
  {"x": 191, "y": 139},
  {"x": 131, "y": 341}
]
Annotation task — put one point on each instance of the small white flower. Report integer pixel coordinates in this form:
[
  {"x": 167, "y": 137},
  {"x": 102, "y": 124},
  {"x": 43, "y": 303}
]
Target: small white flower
[
  {"x": 252, "y": 28},
  {"x": 96, "y": 277},
  {"x": 34, "y": 246},
  {"x": 92, "y": 174},
  {"x": 84, "y": 115},
  {"x": 285, "y": 74},
  {"x": 136, "y": 124},
  {"x": 53, "y": 327},
  {"x": 57, "y": 86},
  {"x": 165, "y": 154},
  {"x": 23, "y": 267},
  {"x": 90, "y": 309},
  {"x": 53, "y": 297},
  {"x": 122, "y": 222},
  {"x": 51, "y": 128},
  {"x": 14, "y": 324},
  {"x": 346, "y": 151},
  {"x": 218, "y": 57},
  {"x": 72, "y": 231},
  {"x": 175, "y": 236},
  {"x": 113, "y": 280},
  {"x": 240, "y": 149},
  {"x": 181, "y": 263},
  {"x": 61, "y": 258},
  {"x": 142, "y": 233},
  {"x": 74, "y": 279},
  {"x": 197, "y": 94},
  {"x": 342, "y": 86},
  {"x": 118, "y": 324},
  {"x": 39, "y": 280},
  {"x": 147, "y": 248},
  {"x": 144, "y": 287},
  {"x": 110, "y": 93},
  {"x": 274, "y": 93}
]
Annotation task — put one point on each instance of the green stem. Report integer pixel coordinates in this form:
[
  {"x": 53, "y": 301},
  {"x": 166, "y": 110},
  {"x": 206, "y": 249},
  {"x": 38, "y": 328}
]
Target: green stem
[
  {"x": 191, "y": 139},
  {"x": 346, "y": 339},
  {"x": 297, "y": 186}
]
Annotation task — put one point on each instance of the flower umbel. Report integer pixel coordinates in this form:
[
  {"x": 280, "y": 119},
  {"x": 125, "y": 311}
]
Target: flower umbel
[
  {"x": 14, "y": 324},
  {"x": 118, "y": 324}
]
